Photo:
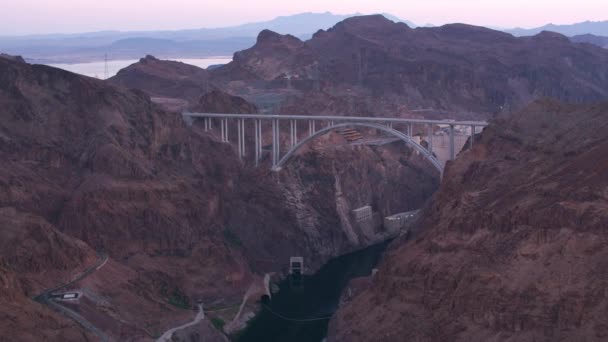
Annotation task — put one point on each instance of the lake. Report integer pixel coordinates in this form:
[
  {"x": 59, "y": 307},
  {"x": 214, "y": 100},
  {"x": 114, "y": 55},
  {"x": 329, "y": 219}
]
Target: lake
[{"x": 97, "y": 69}]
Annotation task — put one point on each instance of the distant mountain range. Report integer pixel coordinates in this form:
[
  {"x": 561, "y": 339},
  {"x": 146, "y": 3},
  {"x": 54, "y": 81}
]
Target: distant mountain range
[
  {"x": 591, "y": 39},
  {"x": 598, "y": 28},
  {"x": 592, "y": 32},
  {"x": 207, "y": 42},
  {"x": 204, "y": 42}
]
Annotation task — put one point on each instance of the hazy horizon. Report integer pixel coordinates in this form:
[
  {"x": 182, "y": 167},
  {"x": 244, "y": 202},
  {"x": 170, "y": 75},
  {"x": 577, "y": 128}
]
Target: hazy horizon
[{"x": 31, "y": 17}]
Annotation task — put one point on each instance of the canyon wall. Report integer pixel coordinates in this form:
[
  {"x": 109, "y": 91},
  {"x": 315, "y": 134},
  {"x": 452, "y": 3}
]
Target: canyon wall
[{"x": 512, "y": 248}]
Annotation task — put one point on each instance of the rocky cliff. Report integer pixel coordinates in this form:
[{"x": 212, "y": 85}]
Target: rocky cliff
[
  {"x": 456, "y": 68},
  {"x": 102, "y": 168},
  {"x": 389, "y": 177},
  {"x": 166, "y": 81},
  {"x": 96, "y": 167},
  {"x": 513, "y": 247}
]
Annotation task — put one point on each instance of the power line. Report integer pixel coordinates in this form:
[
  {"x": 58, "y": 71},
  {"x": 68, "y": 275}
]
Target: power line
[{"x": 296, "y": 319}]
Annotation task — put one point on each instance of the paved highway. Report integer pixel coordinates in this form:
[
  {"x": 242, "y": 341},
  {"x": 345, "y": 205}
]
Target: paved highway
[{"x": 45, "y": 298}]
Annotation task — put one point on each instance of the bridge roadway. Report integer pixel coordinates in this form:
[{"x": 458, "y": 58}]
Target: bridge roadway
[{"x": 332, "y": 122}]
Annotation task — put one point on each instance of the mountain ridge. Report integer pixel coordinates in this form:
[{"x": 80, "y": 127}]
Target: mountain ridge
[
  {"x": 203, "y": 42},
  {"x": 511, "y": 248},
  {"x": 599, "y": 28},
  {"x": 455, "y": 67}
]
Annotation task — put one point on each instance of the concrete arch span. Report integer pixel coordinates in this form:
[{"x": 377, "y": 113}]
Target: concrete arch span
[{"x": 407, "y": 139}]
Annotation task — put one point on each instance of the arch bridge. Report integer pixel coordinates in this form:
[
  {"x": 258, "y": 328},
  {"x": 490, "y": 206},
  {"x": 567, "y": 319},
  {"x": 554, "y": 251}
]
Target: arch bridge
[{"x": 317, "y": 126}]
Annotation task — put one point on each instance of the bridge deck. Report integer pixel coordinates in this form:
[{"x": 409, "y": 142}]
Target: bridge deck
[{"x": 334, "y": 118}]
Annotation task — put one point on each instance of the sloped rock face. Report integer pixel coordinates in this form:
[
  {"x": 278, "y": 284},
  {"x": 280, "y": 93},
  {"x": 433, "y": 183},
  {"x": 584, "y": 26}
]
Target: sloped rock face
[
  {"x": 313, "y": 197},
  {"x": 274, "y": 56},
  {"x": 591, "y": 39},
  {"x": 93, "y": 167},
  {"x": 462, "y": 71},
  {"x": 513, "y": 247},
  {"x": 33, "y": 257},
  {"x": 165, "y": 79},
  {"x": 376, "y": 168},
  {"x": 219, "y": 102},
  {"x": 98, "y": 164},
  {"x": 455, "y": 68}
]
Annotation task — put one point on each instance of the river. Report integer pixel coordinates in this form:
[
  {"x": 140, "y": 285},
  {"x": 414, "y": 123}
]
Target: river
[{"x": 301, "y": 314}]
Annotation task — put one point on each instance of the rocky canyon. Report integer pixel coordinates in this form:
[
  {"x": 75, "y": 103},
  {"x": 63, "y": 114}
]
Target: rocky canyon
[{"x": 106, "y": 187}]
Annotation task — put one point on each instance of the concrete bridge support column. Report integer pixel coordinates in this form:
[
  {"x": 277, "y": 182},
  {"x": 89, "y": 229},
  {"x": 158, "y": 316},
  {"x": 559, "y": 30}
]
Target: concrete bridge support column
[
  {"x": 410, "y": 130},
  {"x": 224, "y": 129},
  {"x": 472, "y": 135},
  {"x": 258, "y": 140},
  {"x": 241, "y": 137},
  {"x": 311, "y": 127},
  {"x": 390, "y": 125},
  {"x": 275, "y": 142},
  {"x": 431, "y": 138},
  {"x": 452, "y": 148},
  {"x": 293, "y": 125},
  {"x": 207, "y": 123}
]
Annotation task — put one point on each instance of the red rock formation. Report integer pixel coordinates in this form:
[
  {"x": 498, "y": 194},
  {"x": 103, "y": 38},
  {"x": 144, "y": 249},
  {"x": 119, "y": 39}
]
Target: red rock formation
[
  {"x": 109, "y": 168},
  {"x": 400, "y": 182},
  {"x": 392, "y": 69},
  {"x": 513, "y": 247},
  {"x": 458, "y": 68},
  {"x": 34, "y": 256},
  {"x": 220, "y": 102},
  {"x": 274, "y": 56},
  {"x": 165, "y": 80},
  {"x": 102, "y": 168}
]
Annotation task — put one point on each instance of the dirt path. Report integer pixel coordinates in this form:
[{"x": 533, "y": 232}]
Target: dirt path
[{"x": 199, "y": 317}]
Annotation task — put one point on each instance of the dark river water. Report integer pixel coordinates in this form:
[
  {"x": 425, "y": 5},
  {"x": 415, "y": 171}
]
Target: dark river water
[{"x": 301, "y": 313}]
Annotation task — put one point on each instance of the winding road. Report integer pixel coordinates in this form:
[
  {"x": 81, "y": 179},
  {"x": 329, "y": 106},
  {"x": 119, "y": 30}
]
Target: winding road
[
  {"x": 45, "y": 298},
  {"x": 199, "y": 317}
]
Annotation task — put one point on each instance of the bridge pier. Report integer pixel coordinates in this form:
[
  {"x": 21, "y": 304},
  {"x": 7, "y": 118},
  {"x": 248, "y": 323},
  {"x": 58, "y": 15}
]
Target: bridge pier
[
  {"x": 311, "y": 127},
  {"x": 410, "y": 130},
  {"x": 430, "y": 133},
  {"x": 241, "y": 138},
  {"x": 472, "y": 135},
  {"x": 293, "y": 132},
  {"x": 275, "y": 142},
  {"x": 243, "y": 141},
  {"x": 224, "y": 129},
  {"x": 257, "y": 125},
  {"x": 452, "y": 149},
  {"x": 207, "y": 124}
]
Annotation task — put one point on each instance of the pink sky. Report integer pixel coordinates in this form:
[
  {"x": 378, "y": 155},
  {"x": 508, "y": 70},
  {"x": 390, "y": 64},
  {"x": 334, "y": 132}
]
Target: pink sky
[{"x": 52, "y": 16}]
